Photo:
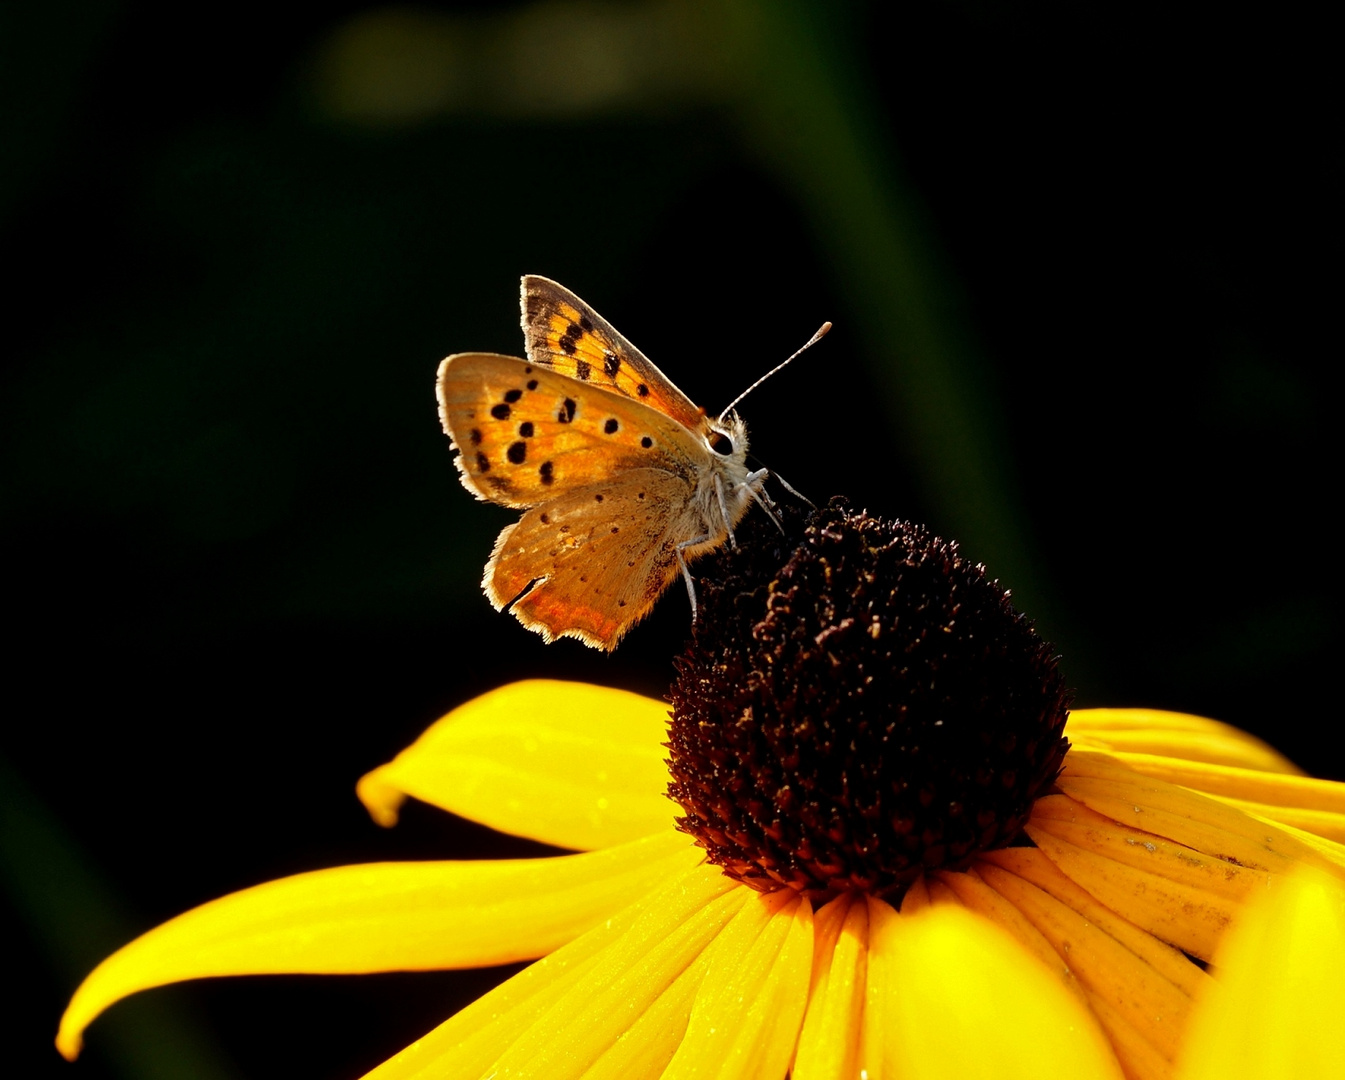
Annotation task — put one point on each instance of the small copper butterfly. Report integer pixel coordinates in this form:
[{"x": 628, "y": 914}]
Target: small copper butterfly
[{"x": 624, "y": 481}]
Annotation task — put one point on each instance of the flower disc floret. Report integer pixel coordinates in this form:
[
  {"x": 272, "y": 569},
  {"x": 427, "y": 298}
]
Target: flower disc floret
[{"x": 859, "y": 704}]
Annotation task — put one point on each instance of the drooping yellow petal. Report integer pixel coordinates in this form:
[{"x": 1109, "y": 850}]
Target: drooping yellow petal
[
  {"x": 1190, "y": 817},
  {"x": 1063, "y": 818},
  {"x": 1032, "y": 865},
  {"x": 1154, "y": 1007},
  {"x": 916, "y": 898},
  {"x": 1275, "y": 1011},
  {"x": 566, "y": 763},
  {"x": 385, "y": 917},
  {"x": 593, "y": 1020},
  {"x": 1330, "y": 852},
  {"x": 746, "y": 1018},
  {"x": 560, "y": 997},
  {"x": 829, "y": 1042},
  {"x": 1174, "y": 735},
  {"x": 979, "y": 897},
  {"x": 1328, "y": 824},
  {"x": 1178, "y": 912},
  {"x": 960, "y": 998},
  {"x": 1305, "y": 801},
  {"x": 1129, "y": 803}
]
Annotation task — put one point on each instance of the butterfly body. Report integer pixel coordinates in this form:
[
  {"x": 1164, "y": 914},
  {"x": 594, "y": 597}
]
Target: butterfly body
[{"x": 622, "y": 479}]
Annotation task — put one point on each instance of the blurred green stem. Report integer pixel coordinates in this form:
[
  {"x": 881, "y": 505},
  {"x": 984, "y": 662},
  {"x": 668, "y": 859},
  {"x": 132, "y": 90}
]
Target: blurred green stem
[
  {"x": 814, "y": 128},
  {"x": 72, "y": 918}
]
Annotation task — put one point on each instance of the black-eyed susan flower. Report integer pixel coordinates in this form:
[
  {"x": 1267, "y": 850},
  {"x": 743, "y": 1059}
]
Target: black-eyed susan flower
[{"x": 893, "y": 857}]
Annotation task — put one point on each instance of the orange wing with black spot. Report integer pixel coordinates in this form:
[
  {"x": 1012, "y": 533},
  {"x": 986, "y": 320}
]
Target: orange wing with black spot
[
  {"x": 563, "y": 333},
  {"x": 526, "y": 435}
]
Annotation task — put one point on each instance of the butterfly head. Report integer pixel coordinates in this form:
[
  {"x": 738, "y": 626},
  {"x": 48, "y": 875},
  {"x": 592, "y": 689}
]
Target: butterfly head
[{"x": 726, "y": 437}]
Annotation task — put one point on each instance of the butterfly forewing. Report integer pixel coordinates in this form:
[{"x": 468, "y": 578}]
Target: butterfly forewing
[
  {"x": 597, "y": 558},
  {"x": 526, "y": 434},
  {"x": 565, "y": 334}
]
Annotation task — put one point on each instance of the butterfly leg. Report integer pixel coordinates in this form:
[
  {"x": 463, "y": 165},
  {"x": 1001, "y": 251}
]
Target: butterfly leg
[
  {"x": 797, "y": 494},
  {"x": 755, "y": 486},
  {"x": 686, "y": 573},
  {"x": 724, "y": 510},
  {"x": 759, "y": 496}
]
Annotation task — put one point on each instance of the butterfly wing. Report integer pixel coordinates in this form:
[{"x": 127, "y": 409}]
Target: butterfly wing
[
  {"x": 591, "y": 563},
  {"x": 526, "y": 434},
  {"x": 563, "y": 333}
]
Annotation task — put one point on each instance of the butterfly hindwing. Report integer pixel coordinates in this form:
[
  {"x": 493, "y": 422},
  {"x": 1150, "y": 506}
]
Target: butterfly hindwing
[
  {"x": 563, "y": 333},
  {"x": 591, "y": 563},
  {"x": 526, "y": 435}
]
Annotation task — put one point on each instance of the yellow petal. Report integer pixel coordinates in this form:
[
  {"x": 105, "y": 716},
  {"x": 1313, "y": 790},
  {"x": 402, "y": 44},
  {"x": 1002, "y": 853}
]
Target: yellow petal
[
  {"x": 593, "y": 1021},
  {"x": 566, "y": 763},
  {"x": 1032, "y": 865},
  {"x": 1154, "y": 1007},
  {"x": 1195, "y": 819},
  {"x": 1275, "y": 1011},
  {"x": 979, "y": 897},
  {"x": 385, "y": 917},
  {"x": 829, "y": 1042},
  {"x": 1185, "y": 915},
  {"x": 962, "y": 1000},
  {"x": 1175, "y": 735},
  {"x": 1328, "y": 824},
  {"x": 1330, "y": 852},
  {"x": 1240, "y": 783},
  {"x": 746, "y": 1018},
  {"x": 549, "y": 1000},
  {"x": 916, "y": 898},
  {"x": 1154, "y": 854},
  {"x": 1129, "y": 802}
]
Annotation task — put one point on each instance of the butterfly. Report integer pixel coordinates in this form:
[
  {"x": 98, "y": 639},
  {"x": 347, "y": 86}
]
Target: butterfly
[{"x": 624, "y": 481}]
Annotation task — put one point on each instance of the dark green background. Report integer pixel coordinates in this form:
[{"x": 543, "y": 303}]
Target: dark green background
[{"x": 1074, "y": 263}]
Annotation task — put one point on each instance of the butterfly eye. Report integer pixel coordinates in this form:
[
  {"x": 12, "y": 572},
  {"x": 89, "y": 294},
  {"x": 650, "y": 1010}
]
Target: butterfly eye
[{"x": 721, "y": 444}]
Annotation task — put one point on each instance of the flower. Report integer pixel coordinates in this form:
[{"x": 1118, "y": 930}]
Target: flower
[{"x": 1073, "y": 937}]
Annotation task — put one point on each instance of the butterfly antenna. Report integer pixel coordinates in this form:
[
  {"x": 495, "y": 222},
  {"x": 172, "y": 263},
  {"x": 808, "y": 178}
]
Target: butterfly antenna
[{"x": 821, "y": 333}]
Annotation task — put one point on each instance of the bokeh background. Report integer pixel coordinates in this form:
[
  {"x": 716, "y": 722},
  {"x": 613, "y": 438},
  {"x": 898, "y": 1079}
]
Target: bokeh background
[{"x": 1073, "y": 255}]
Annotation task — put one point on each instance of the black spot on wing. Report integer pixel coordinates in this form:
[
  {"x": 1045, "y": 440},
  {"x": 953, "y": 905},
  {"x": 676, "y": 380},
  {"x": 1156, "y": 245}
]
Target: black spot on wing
[
  {"x": 586, "y": 323},
  {"x": 567, "y": 408},
  {"x": 500, "y": 412},
  {"x": 583, "y": 369},
  {"x": 570, "y": 339},
  {"x": 482, "y": 462},
  {"x": 642, "y": 390},
  {"x": 525, "y": 429},
  {"x": 611, "y": 364},
  {"x": 475, "y": 436},
  {"x": 646, "y": 442},
  {"x": 517, "y": 452},
  {"x": 532, "y": 383},
  {"x": 545, "y": 471},
  {"x": 611, "y": 426},
  {"x": 512, "y": 396}
]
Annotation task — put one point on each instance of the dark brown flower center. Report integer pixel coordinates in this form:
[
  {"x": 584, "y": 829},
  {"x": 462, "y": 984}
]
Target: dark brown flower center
[{"x": 858, "y": 704}]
